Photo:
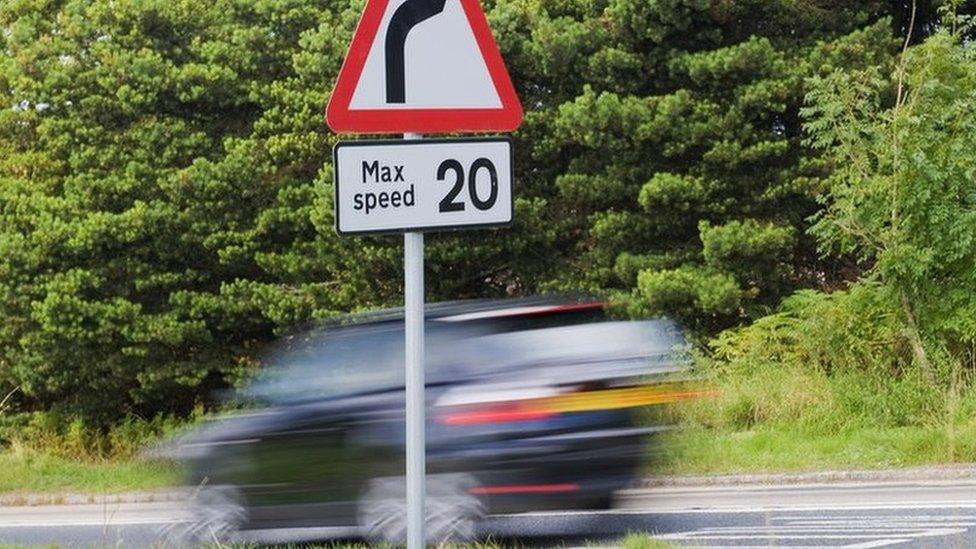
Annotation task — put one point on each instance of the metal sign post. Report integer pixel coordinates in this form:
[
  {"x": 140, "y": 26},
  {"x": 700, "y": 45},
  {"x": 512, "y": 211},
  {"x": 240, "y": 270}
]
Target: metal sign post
[
  {"x": 411, "y": 186},
  {"x": 383, "y": 187},
  {"x": 413, "y": 306}
]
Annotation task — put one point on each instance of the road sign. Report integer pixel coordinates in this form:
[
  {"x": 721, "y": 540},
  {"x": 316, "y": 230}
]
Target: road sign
[
  {"x": 423, "y": 66},
  {"x": 438, "y": 184}
]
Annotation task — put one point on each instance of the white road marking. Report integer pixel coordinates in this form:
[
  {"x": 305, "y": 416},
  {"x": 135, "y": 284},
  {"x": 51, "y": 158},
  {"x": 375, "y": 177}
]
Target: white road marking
[
  {"x": 297, "y": 535},
  {"x": 921, "y": 523},
  {"x": 878, "y": 543},
  {"x": 864, "y": 545},
  {"x": 861, "y": 545},
  {"x": 875, "y": 517},
  {"x": 863, "y": 531},
  {"x": 808, "y": 531},
  {"x": 90, "y": 522},
  {"x": 776, "y": 536},
  {"x": 748, "y": 510},
  {"x": 878, "y": 518}
]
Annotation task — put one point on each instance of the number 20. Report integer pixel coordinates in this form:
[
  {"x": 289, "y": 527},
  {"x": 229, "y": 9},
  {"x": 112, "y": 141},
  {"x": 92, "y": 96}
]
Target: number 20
[{"x": 450, "y": 203}]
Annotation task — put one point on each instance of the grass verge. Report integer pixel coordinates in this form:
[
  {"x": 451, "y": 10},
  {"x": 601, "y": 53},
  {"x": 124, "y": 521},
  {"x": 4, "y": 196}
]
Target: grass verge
[
  {"x": 36, "y": 472},
  {"x": 699, "y": 450},
  {"x": 49, "y": 453},
  {"x": 693, "y": 450},
  {"x": 644, "y": 541},
  {"x": 829, "y": 382}
]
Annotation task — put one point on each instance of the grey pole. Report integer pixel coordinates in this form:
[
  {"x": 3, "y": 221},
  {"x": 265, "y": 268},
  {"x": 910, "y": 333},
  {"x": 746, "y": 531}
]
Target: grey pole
[{"x": 413, "y": 292}]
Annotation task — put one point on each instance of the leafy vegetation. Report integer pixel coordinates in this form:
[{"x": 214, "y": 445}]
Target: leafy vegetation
[
  {"x": 47, "y": 452},
  {"x": 71, "y": 438},
  {"x": 165, "y": 182},
  {"x": 28, "y": 471},
  {"x": 698, "y": 450},
  {"x": 644, "y": 541},
  {"x": 681, "y": 176},
  {"x": 892, "y": 355},
  {"x": 791, "y": 179}
]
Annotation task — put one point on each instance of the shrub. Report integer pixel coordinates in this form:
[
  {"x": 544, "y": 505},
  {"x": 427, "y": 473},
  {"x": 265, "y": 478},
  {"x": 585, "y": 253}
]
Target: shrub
[
  {"x": 825, "y": 362},
  {"x": 897, "y": 347},
  {"x": 55, "y": 434}
]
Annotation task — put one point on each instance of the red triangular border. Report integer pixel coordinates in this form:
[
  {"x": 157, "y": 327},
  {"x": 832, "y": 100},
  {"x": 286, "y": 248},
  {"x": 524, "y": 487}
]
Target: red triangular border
[{"x": 344, "y": 120}]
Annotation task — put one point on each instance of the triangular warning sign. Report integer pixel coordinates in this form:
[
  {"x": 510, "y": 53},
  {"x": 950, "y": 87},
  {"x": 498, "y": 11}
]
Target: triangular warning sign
[{"x": 425, "y": 66}]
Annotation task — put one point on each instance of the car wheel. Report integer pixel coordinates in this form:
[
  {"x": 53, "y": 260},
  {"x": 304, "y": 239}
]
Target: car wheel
[
  {"x": 452, "y": 513},
  {"x": 216, "y": 515}
]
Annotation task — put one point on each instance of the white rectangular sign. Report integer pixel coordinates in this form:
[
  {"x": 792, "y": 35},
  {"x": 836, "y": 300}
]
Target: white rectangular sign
[{"x": 424, "y": 185}]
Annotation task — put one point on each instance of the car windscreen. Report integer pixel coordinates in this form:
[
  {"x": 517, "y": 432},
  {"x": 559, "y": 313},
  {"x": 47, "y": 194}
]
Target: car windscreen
[
  {"x": 530, "y": 317},
  {"x": 348, "y": 361},
  {"x": 650, "y": 345}
]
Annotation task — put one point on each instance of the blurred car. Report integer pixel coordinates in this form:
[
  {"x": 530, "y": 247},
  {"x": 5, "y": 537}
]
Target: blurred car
[{"x": 531, "y": 406}]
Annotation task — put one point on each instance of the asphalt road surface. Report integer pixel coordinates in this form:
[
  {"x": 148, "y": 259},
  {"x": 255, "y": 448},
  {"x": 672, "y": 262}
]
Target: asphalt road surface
[{"x": 853, "y": 515}]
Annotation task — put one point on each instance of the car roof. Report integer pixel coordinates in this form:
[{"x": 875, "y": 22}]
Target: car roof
[{"x": 476, "y": 309}]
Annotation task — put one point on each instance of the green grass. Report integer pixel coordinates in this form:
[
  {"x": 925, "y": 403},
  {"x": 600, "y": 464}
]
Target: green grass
[
  {"x": 30, "y": 471},
  {"x": 829, "y": 382},
  {"x": 644, "y": 541},
  {"x": 698, "y": 450},
  {"x": 688, "y": 451}
]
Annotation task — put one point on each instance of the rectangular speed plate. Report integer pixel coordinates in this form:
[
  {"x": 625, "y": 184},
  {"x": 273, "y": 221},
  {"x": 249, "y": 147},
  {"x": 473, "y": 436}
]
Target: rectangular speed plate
[{"x": 422, "y": 185}]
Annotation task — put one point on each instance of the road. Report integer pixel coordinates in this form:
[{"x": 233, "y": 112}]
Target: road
[{"x": 929, "y": 514}]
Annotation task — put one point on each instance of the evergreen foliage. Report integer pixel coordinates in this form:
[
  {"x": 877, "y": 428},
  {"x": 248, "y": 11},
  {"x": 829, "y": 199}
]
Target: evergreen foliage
[
  {"x": 165, "y": 178},
  {"x": 897, "y": 347}
]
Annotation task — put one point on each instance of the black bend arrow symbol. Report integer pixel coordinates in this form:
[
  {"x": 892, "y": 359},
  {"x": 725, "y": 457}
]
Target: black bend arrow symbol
[{"x": 410, "y": 14}]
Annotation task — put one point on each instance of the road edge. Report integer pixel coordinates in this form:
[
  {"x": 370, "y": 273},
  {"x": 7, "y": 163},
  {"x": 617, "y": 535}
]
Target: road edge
[
  {"x": 963, "y": 471},
  {"x": 941, "y": 473}
]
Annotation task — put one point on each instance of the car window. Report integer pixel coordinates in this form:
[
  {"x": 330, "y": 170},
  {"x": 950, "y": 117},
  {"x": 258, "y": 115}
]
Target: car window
[
  {"x": 350, "y": 360},
  {"x": 580, "y": 343},
  {"x": 530, "y": 317},
  {"x": 551, "y": 320}
]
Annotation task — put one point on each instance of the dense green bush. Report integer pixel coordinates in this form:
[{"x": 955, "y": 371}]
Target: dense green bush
[
  {"x": 680, "y": 169},
  {"x": 165, "y": 187},
  {"x": 826, "y": 362},
  {"x": 57, "y": 435},
  {"x": 165, "y": 200},
  {"x": 898, "y": 347}
]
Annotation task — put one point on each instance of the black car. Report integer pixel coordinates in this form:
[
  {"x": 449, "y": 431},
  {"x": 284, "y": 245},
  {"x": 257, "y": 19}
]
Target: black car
[{"x": 530, "y": 406}]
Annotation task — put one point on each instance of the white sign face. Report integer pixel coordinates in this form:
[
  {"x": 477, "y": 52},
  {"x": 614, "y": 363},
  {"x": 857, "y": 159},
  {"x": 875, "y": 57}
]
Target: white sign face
[
  {"x": 423, "y": 185},
  {"x": 437, "y": 65},
  {"x": 423, "y": 66}
]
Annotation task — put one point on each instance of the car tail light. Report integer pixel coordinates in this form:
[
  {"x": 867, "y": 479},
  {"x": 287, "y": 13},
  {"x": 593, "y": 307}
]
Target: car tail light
[
  {"x": 525, "y": 489},
  {"x": 622, "y": 397},
  {"x": 505, "y": 412},
  {"x": 575, "y": 399}
]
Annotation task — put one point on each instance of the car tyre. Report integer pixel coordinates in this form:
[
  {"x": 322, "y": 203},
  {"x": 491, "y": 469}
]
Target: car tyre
[
  {"x": 452, "y": 513},
  {"x": 216, "y": 515}
]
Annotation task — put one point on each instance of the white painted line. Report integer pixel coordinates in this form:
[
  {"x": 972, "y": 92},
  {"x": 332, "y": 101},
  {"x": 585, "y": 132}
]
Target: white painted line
[
  {"x": 89, "y": 522},
  {"x": 872, "y": 517},
  {"x": 860, "y": 545},
  {"x": 877, "y": 524},
  {"x": 878, "y": 543},
  {"x": 693, "y": 536},
  {"x": 297, "y": 535},
  {"x": 862, "y": 529},
  {"x": 748, "y": 510},
  {"x": 802, "y": 487}
]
